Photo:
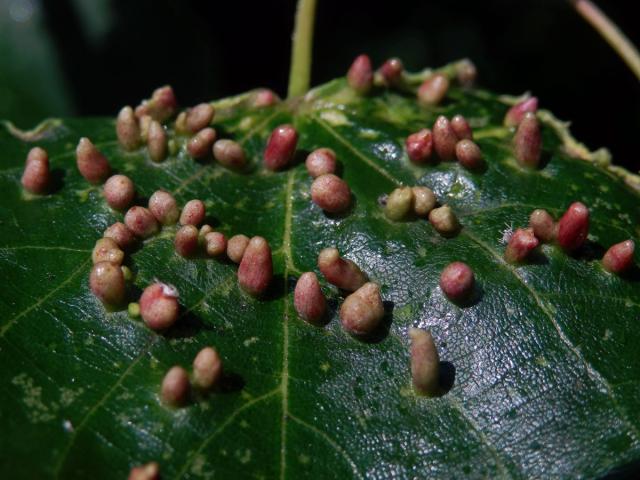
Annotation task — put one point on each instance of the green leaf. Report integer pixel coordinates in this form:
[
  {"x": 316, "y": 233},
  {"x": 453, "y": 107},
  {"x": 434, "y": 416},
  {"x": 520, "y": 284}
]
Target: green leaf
[{"x": 546, "y": 363}]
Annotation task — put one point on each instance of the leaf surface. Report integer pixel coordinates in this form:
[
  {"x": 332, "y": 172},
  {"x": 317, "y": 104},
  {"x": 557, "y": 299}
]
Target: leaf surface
[{"x": 544, "y": 364}]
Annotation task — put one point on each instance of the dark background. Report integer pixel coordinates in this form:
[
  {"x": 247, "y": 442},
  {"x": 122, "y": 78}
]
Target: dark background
[{"x": 90, "y": 57}]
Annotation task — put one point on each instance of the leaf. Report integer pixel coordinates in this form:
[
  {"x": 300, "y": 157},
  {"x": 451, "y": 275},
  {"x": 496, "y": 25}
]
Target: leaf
[{"x": 545, "y": 363}]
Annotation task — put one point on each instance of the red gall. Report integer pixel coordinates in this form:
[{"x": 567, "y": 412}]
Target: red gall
[
  {"x": 215, "y": 244},
  {"x": 141, "y": 222},
  {"x": 444, "y": 138},
  {"x": 236, "y": 247},
  {"x": 36, "y": 176},
  {"x": 543, "y": 225},
  {"x": 193, "y": 213},
  {"x": 256, "y": 267},
  {"x": 150, "y": 471},
  {"x": 119, "y": 232},
  {"x": 160, "y": 106},
  {"x": 433, "y": 90},
  {"x": 201, "y": 144},
  {"x": 186, "y": 241},
  {"x": 419, "y": 146},
  {"x": 573, "y": 227},
  {"x": 159, "y": 306},
  {"x": 521, "y": 244},
  {"x": 341, "y": 272},
  {"x": 107, "y": 283},
  {"x": 320, "y": 162},
  {"x": 527, "y": 142},
  {"x": 425, "y": 363},
  {"x": 207, "y": 368},
  {"x": 516, "y": 113},
  {"x": 360, "y": 74},
  {"x": 199, "y": 117},
  {"x": 391, "y": 72},
  {"x": 127, "y": 129},
  {"x": 175, "y": 387},
  {"x": 92, "y": 164},
  {"x": 229, "y": 154},
  {"x": 619, "y": 257},
  {"x": 157, "y": 141},
  {"x": 308, "y": 299},
  {"x": 461, "y": 128},
  {"x": 362, "y": 312},
  {"x": 457, "y": 280},
  {"x": 264, "y": 97},
  {"x": 119, "y": 192},
  {"x": 331, "y": 193},
  {"x": 281, "y": 147},
  {"x": 164, "y": 207},
  {"x": 107, "y": 250},
  {"x": 469, "y": 155}
]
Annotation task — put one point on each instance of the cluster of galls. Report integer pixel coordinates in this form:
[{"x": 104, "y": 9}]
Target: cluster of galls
[{"x": 570, "y": 233}]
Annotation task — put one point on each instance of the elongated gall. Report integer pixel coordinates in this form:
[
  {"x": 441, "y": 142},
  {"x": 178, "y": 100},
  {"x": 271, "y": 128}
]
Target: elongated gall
[
  {"x": 573, "y": 227},
  {"x": 175, "y": 387},
  {"x": 341, "y": 272},
  {"x": 201, "y": 144},
  {"x": 150, "y": 471},
  {"x": 229, "y": 154},
  {"x": 107, "y": 250},
  {"x": 521, "y": 244},
  {"x": 308, "y": 299},
  {"x": 469, "y": 154},
  {"x": 320, "y": 162},
  {"x": 360, "y": 74},
  {"x": 457, "y": 280},
  {"x": 433, "y": 90},
  {"x": 215, "y": 244},
  {"x": 527, "y": 142},
  {"x": 264, "y": 97},
  {"x": 419, "y": 146},
  {"x": 391, "y": 72},
  {"x": 543, "y": 225},
  {"x": 256, "y": 267},
  {"x": 119, "y": 192},
  {"x": 461, "y": 128},
  {"x": 193, "y": 213},
  {"x": 164, "y": 207},
  {"x": 425, "y": 363},
  {"x": 331, "y": 193},
  {"x": 141, "y": 222},
  {"x": 444, "y": 138},
  {"x": 424, "y": 200},
  {"x": 619, "y": 257},
  {"x": 145, "y": 124},
  {"x": 36, "y": 176},
  {"x": 207, "y": 368},
  {"x": 202, "y": 233},
  {"x": 362, "y": 312},
  {"x": 444, "y": 221},
  {"x": 199, "y": 117},
  {"x": 186, "y": 241},
  {"x": 281, "y": 147},
  {"x": 157, "y": 141},
  {"x": 159, "y": 306},
  {"x": 516, "y": 113},
  {"x": 399, "y": 203},
  {"x": 119, "y": 232},
  {"x": 236, "y": 247},
  {"x": 127, "y": 129},
  {"x": 466, "y": 73},
  {"x": 160, "y": 106},
  {"x": 107, "y": 283},
  {"x": 92, "y": 164}
]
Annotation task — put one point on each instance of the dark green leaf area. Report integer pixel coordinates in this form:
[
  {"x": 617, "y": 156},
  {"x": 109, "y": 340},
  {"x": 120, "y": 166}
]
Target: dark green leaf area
[{"x": 544, "y": 361}]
